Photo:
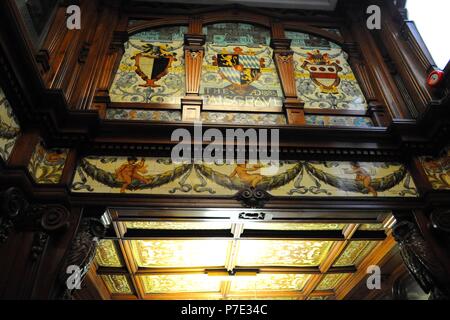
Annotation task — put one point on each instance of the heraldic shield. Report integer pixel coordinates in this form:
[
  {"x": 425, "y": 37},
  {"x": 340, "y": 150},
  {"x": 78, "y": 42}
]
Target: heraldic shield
[
  {"x": 239, "y": 68},
  {"x": 323, "y": 71},
  {"x": 153, "y": 63}
]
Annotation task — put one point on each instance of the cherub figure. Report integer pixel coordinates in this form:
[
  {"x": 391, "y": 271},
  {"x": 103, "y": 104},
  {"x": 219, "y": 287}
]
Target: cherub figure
[
  {"x": 363, "y": 176},
  {"x": 242, "y": 172},
  {"x": 131, "y": 170}
]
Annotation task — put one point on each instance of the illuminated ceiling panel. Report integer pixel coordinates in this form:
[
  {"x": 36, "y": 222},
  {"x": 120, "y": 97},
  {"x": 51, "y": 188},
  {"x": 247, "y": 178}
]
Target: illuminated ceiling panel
[
  {"x": 282, "y": 252},
  {"x": 331, "y": 281},
  {"x": 180, "y": 283},
  {"x": 179, "y": 253},
  {"x": 371, "y": 226},
  {"x": 265, "y": 268},
  {"x": 354, "y": 252},
  {"x": 107, "y": 255},
  {"x": 292, "y": 226},
  {"x": 117, "y": 284},
  {"x": 177, "y": 225},
  {"x": 270, "y": 282}
]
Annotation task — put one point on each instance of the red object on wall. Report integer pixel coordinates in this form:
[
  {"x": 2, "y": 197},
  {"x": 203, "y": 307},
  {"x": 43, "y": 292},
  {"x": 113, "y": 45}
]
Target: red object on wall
[{"x": 435, "y": 78}]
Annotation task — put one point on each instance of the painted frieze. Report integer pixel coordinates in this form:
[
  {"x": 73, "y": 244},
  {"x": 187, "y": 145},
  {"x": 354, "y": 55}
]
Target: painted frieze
[
  {"x": 9, "y": 128},
  {"x": 344, "y": 121},
  {"x": 289, "y": 178},
  {"x": 437, "y": 169},
  {"x": 143, "y": 115},
  {"x": 46, "y": 165}
]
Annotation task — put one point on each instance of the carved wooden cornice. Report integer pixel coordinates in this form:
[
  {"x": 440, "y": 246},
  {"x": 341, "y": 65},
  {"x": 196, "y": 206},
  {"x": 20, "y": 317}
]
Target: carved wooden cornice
[{"x": 48, "y": 110}]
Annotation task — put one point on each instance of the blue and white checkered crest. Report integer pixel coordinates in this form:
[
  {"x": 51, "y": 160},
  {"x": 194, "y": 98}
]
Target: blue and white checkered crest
[
  {"x": 231, "y": 74},
  {"x": 250, "y": 62}
]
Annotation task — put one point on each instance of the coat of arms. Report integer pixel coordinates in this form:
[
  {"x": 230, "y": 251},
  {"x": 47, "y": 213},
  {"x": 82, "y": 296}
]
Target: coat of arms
[
  {"x": 153, "y": 63},
  {"x": 323, "y": 71},
  {"x": 239, "y": 68}
]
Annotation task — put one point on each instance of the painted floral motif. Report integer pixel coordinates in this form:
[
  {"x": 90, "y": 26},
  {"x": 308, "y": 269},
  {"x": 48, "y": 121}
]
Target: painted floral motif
[
  {"x": 331, "y": 281},
  {"x": 347, "y": 121},
  {"x": 354, "y": 252},
  {"x": 324, "y": 77},
  {"x": 244, "y": 118},
  {"x": 9, "y": 129},
  {"x": 292, "y": 178},
  {"x": 152, "y": 68},
  {"x": 117, "y": 284},
  {"x": 238, "y": 69},
  {"x": 236, "y": 34},
  {"x": 144, "y": 115},
  {"x": 107, "y": 254},
  {"x": 46, "y": 166},
  {"x": 180, "y": 283},
  {"x": 438, "y": 170}
]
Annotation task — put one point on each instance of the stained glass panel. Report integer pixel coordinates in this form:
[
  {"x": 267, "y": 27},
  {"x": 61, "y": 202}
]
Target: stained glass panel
[{"x": 282, "y": 252}]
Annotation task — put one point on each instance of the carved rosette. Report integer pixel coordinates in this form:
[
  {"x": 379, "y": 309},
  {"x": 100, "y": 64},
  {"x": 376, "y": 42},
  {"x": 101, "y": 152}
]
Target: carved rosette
[
  {"x": 440, "y": 219},
  {"x": 421, "y": 261},
  {"x": 16, "y": 213},
  {"x": 253, "y": 198},
  {"x": 82, "y": 251}
]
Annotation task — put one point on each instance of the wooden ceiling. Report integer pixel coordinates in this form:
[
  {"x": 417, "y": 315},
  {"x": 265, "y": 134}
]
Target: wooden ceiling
[
  {"x": 181, "y": 257},
  {"x": 328, "y": 5}
]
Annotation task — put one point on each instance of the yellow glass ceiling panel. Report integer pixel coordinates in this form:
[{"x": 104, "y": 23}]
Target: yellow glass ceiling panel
[
  {"x": 354, "y": 252},
  {"x": 282, "y": 252},
  {"x": 117, "y": 284},
  {"x": 331, "y": 281},
  {"x": 179, "y": 253},
  {"x": 180, "y": 283},
  {"x": 371, "y": 226},
  {"x": 178, "y": 225},
  {"x": 292, "y": 226},
  {"x": 107, "y": 255},
  {"x": 269, "y": 282}
]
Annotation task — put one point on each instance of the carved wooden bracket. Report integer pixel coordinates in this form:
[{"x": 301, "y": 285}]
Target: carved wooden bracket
[
  {"x": 82, "y": 252},
  {"x": 421, "y": 261}
]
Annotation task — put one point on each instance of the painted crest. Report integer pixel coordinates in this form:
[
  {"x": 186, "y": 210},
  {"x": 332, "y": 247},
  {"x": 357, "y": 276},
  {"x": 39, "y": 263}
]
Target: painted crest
[
  {"x": 323, "y": 71},
  {"x": 240, "y": 68},
  {"x": 153, "y": 63}
]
